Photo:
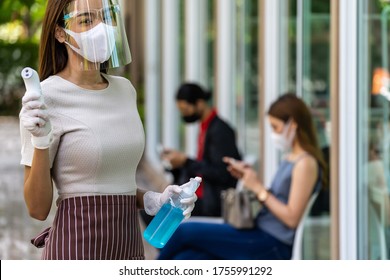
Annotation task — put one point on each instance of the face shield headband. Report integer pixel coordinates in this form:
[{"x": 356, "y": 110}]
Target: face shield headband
[{"x": 96, "y": 34}]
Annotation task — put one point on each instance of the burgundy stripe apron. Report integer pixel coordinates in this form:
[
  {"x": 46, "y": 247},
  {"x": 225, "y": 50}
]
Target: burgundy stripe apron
[{"x": 102, "y": 227}]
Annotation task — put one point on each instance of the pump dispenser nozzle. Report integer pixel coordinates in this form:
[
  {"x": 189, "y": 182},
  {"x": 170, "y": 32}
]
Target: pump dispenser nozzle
[{"x": 190, "y": 187}]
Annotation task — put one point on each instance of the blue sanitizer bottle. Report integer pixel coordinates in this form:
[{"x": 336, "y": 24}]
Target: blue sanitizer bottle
[{"x": 169, "y": 216}]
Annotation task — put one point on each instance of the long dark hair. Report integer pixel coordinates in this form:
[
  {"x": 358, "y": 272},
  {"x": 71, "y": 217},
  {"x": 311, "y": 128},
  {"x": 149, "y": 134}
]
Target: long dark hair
[
  {"x": 53, "y": 55},
  {"x": 289, "y": 106},
  {"x": 191, "y": 93}
]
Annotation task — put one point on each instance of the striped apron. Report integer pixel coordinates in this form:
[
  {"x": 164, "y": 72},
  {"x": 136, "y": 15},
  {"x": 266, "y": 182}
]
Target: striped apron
[{"x": 102, "y": 227}]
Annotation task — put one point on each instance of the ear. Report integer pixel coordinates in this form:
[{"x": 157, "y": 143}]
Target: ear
[
  {"x": 200, "y": 103},
  {"x": 294, "y": 124},
  {"x": 60, "y": 34}
]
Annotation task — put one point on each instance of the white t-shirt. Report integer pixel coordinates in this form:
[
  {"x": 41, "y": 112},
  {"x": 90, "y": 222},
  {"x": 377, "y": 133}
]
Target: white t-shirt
[{"x": 98, "y": 137}]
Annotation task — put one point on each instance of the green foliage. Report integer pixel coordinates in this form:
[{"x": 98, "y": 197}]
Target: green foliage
[
  {"x": 29, "y": 12},
  {"x": 13, "y": 58},
  {"x": 320, "y": 7},
  {"x": 18, "y": 9},
  {"x": 382, "y": 4}
]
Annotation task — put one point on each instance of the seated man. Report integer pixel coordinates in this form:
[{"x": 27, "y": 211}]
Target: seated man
[{"x": 216, "y": 139}]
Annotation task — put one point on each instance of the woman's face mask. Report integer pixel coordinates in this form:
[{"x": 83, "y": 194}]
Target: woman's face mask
[
  {"x": 284, "y": 139},
  {"x": 97, "y": 44}
]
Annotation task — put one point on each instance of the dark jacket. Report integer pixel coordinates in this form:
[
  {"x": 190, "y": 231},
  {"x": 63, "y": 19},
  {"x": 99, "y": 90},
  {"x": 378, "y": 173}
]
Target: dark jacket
[{"x": 220, "y": 141}]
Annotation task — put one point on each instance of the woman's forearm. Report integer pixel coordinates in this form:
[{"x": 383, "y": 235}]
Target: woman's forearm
[
  {"x": 38, "y": 188},
  {"x": 281, "y": 211}
]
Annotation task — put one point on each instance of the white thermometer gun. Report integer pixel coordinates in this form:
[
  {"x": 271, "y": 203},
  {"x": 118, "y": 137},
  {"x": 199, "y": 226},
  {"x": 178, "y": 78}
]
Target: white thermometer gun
[
  {"x": 31, "y": 81},
  {"x": 43, "y": 136}
]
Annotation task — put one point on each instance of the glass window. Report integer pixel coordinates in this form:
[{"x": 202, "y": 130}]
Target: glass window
[
  {"x": 181, "y": 42},
  {"x": 314, "y": 85},
  {"x": 209, "y": 39},
  {"x": 374, "y": 135},
  {"x": 206, "y": 54},
  {"x": 304, "y": 69},
  {"x": 246, "y": 75}
]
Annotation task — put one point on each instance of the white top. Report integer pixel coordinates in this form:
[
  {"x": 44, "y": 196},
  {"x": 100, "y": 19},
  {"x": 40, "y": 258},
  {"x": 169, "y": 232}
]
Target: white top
[{"x": 98, "y": 137}]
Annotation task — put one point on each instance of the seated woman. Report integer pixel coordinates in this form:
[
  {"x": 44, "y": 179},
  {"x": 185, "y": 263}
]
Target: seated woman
[{"x": 299, "y": 175}]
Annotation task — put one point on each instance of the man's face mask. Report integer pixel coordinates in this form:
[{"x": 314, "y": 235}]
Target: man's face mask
[{"x": 191, "y": 118}]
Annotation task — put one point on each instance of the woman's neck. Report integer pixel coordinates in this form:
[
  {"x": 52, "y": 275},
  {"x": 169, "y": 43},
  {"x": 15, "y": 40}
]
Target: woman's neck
[
  {"x": 297, "y": 149},
  {"x": 86, "y": 79},
  {"x": 295, "y": 152}
]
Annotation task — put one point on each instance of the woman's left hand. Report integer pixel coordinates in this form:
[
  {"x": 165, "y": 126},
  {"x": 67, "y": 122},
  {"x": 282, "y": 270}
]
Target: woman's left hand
[{"x": 243, "y": 171}]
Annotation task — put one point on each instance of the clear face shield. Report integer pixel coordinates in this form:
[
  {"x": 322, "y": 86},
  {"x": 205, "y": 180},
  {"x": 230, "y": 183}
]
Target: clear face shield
[{"x": 96, "y": 33}]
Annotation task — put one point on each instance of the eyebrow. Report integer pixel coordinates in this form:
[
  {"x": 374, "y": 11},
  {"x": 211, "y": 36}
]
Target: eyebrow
[
  {"x": 84, "y": 14},
  {"x": 71, "y": 14}
]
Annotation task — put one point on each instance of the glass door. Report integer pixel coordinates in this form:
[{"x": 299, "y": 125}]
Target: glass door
[
  {"x": 305, "y": 70},
  {"x": 246, "y": 92},
  {"x": 374, "y": 134}
]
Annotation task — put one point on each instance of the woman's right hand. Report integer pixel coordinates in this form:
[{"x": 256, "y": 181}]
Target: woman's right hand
[{"x": 35, "y": 119}]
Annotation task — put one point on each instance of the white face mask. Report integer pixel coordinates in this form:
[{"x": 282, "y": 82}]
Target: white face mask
[
  {"x": 282, "y": 140},
  {"x": 96, "y": 44}
]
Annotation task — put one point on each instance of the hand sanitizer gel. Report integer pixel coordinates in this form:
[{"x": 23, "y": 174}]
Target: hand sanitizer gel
[{"x": 169, "y": 216}]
